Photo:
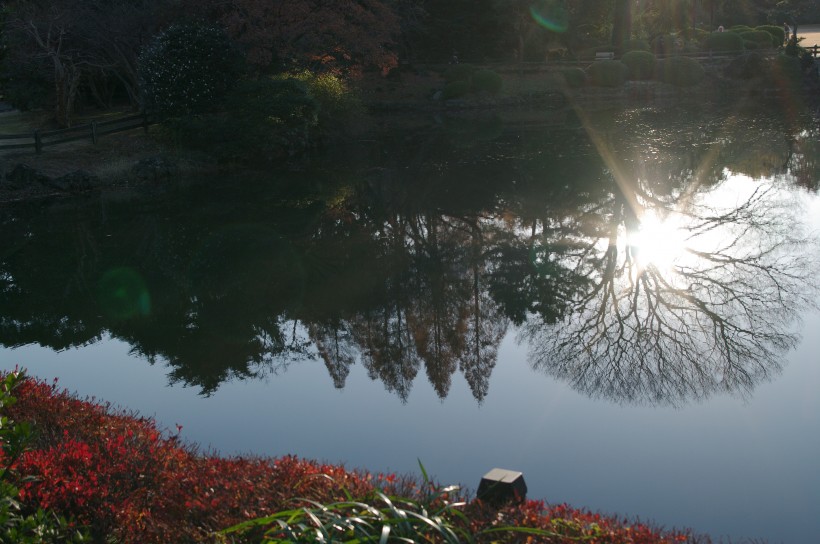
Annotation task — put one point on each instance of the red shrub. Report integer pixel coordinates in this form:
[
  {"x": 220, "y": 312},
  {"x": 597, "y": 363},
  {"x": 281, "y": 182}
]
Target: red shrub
[{"x": 122, "y": 477}]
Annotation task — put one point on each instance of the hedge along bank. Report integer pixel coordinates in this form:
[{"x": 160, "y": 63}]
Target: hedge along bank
[{"x": 122, "y": 477}]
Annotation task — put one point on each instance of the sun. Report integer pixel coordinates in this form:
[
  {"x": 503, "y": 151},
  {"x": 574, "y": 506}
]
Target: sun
[{"x": 659, "y": 242}]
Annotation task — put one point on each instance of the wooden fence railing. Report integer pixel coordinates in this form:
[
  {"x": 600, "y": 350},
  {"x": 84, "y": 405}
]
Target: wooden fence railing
[
  {"x": 814, "y": 50},
  {"x": 90, "y": 131}
]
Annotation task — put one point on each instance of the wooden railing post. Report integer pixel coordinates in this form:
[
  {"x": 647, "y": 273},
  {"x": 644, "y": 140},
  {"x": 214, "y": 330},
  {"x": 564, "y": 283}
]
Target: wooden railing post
[
  {"x": 38, "y": 142},
  {"x": 94, "y": 132}
]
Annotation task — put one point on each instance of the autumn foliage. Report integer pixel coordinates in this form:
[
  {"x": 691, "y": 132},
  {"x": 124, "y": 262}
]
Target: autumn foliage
[
  {"x": 123, "y": 478},
  {"x": 343, "y": 35}
]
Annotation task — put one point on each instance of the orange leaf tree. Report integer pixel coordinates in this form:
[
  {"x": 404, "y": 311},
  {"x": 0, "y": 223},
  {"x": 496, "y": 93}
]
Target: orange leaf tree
[{"x": 340, "y": 35}]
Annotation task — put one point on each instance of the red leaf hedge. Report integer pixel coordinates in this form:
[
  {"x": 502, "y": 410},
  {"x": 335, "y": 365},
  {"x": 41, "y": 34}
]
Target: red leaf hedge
[{"x": 121, "y": 476}]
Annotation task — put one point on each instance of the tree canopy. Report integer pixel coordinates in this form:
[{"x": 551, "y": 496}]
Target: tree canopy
[{"x": 58, "y": 52}]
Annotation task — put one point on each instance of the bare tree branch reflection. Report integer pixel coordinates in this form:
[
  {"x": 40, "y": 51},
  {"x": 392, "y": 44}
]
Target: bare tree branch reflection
[
  {"x": 422, "y": 255},
  {"x": 718, "y": 319}
]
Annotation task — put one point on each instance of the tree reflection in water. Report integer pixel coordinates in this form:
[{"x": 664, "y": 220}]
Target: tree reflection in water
[
  {"x": 427, "y": 261},
  {"x": 716, "y": 317}
]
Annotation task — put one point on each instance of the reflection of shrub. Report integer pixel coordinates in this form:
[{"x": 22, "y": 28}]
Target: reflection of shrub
[
  {"x": 635, "y": 45},
  {"x": 455, "y": 89},
  {"x": 784, "y": 71},
  {"x": 777, "y": 33},
  {"x": 750, "y": 45},
  {"x": 465, "y": 132},
  {"x": 760, "y": 37},
  {"x": 459, "y": 72},
  {"x": 746, "y": 66},
  {"x": 607, "y": 73},
  {"x": 724, "y": 41},
  {"x": 641, "y": 64},
  {"x": 487, "y": 80},
  {"x": 680, "y": 71},
  {"x": 575, "y": 77}
]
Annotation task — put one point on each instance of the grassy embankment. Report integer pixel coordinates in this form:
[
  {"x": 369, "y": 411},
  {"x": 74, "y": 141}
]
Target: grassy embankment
[{"x": 125, "y": 480}]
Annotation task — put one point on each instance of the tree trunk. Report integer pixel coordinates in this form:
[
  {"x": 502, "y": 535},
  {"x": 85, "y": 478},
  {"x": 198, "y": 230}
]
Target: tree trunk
[
  {"x": 621, "y": 23},
  {"x": 66, "y": 84}
]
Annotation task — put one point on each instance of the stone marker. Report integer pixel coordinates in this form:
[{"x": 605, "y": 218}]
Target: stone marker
[{"x": 501, "y": 485}]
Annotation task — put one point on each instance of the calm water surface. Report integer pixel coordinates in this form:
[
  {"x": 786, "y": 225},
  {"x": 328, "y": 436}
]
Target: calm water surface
[{"x": 620, "y": 305}]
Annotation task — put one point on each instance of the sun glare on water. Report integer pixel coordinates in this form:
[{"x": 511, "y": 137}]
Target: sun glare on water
[{"x": 659, "y": 242}]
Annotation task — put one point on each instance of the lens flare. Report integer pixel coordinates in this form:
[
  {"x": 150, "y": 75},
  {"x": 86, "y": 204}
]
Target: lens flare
[
  {"x": 550, "y": 14},
  {"x": 122, "y": 294}
]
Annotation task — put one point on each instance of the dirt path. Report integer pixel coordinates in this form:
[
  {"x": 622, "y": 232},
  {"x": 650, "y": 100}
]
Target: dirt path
[{"x": 810, "y": 33}]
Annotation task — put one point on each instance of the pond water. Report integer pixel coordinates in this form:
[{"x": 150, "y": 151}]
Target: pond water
[{"x": 620, "y": 304}]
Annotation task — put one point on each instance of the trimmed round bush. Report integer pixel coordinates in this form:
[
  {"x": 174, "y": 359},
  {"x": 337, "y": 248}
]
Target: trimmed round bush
[
  {"x": 459, "y": 72},
  {"x": 487, "y": 80},
  {"x": 607, "y": 73},
  {"x": 740, "y": 28},
  {"x": 777, "y": 32},
  {"x": 699, "y": 35},
  {"x": 793, "y": 49},
  {"x": 575, "y": 77},
  {"x": 680, "y": 71},
  {"x": 262, "y": 116},
  {"x": 455, "y": 89},
  {"x": 762, "y": 38},
  {"x": 187, "y": 68},
  {"x": 641, "y": 64},
  {"x": 635, "y": 45},
  {"x": 724, "y": 41}
]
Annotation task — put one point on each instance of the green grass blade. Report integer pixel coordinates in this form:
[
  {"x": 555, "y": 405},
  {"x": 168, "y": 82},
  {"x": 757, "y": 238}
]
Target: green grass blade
[
  {"x": 423, "y": 472},
  {"x": 385, "y": 534}
]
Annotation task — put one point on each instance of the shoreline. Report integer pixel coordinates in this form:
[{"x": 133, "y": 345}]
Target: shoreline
[
  {"x": 132, "y": 159},
  {"x": 119, "y": 475}
]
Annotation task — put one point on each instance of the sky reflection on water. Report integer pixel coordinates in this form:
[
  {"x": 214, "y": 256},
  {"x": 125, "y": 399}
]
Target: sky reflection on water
[
  {"x": 326, "y": 298},
  {"x": 727, "y": 467}
]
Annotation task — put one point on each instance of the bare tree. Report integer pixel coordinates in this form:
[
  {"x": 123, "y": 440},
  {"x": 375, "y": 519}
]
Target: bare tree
[
  {"x": 44, "y": 31},
  {"x": 85, "y": 42},
  {"x": 718, "y": 319}
]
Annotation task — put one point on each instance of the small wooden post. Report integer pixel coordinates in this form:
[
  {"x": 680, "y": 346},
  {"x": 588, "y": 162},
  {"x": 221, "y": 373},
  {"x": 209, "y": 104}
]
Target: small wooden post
[
  {"x": 38, "y": 142},
  {"x": 94, "y": 132},
  {"x": 501, "y": 485}
]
